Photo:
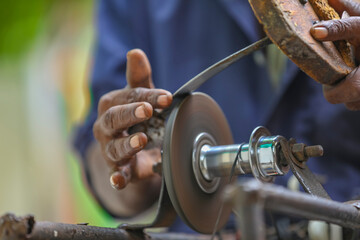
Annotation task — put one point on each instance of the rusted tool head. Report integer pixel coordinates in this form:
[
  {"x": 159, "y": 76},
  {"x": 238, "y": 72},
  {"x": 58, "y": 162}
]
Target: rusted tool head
[{"x": 288, "y": 23}]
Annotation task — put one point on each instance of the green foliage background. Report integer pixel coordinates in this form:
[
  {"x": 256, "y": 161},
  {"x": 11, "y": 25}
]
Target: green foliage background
[{"x": 24, "y": 24}]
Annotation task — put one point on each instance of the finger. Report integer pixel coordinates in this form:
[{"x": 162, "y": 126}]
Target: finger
[
  {"x": 350, "y": 6},
  {"x": 346, "y": 91},
  {"x": 121, "y": 178},
  {"x": 158, "y": 98},
  {"x": 138, "y": 169},
  {"x": 119, "y": 118},
  {"x": 121, "y": 150},
  {"x": 138, "y": 70},
  {"x": 333, "y": 30}
]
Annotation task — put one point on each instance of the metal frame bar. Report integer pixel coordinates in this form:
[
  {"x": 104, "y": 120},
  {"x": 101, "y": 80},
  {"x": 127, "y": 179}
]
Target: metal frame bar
[
  {"x": 252, "y": 198},
  {"x": 21, "y": 228}
]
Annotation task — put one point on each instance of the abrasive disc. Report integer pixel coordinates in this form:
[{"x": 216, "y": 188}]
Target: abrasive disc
[{"x": 196, "y": 114}]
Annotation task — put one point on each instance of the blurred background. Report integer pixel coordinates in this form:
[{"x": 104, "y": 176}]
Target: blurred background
[{"x": 45, "y": 58}]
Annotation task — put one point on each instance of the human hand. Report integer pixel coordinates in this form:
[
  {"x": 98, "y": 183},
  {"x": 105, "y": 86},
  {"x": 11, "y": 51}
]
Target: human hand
[
  {"x": 346, "y": 91},
  {"x": 118, "y": 111}
]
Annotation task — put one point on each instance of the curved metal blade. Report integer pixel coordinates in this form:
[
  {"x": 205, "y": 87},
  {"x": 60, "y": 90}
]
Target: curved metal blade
[{"x": 211, "y": 71}]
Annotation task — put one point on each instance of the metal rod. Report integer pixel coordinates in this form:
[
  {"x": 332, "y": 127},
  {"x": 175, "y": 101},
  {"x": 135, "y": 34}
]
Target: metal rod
[
  {"x": 20, "y": 228},
  {"x": 254, "y": 194},
  {"x": 217, "y": 161},
  {"x": 252, "y": 223}
]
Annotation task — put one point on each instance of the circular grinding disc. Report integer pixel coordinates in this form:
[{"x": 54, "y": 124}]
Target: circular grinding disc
[{"x": 196, "y": 114}]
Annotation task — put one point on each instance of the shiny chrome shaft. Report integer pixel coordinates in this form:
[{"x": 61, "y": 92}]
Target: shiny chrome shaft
[
  {"x": 217, "y": 161},
  {"x": 260, "y": 157}
]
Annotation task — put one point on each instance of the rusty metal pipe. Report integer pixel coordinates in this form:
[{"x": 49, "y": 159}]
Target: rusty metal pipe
[
  {"x": 255, "y": 195},
  {"x": 21, "y": 228}
]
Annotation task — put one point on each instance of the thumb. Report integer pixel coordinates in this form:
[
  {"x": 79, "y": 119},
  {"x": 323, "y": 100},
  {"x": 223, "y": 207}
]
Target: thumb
[
  {"x": 344, "y": 29},
  {"x": 138, "y": 70},
  {"x": 333, "y": 30}
]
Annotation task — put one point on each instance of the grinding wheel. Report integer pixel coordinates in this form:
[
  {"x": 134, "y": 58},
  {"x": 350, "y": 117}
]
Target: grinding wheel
[
  {"x": 288, "y": 23},
  {"x": 196, "y": 114}
]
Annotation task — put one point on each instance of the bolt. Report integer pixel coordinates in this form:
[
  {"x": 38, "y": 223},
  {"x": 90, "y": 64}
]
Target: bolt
[
  {"x": 157, "y": 168},
  {"x": 314, "y": 151},
  {"x": 302, "y": 152}
]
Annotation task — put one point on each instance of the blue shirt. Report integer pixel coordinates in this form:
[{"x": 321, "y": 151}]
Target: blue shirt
[{"x": 183, "y": 37}]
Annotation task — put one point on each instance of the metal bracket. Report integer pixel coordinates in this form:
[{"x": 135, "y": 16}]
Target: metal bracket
[{"x": 306, "y": 178}]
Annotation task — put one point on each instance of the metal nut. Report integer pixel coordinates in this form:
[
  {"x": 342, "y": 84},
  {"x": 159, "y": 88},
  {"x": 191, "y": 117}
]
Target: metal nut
[
  {"x": 298, "y": 150},
  {"x": 157, "y": 168}
]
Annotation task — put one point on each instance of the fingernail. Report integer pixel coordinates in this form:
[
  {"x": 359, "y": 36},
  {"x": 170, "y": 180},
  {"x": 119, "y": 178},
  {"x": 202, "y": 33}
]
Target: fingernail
[
  {"x": 117, "y": 181},
  {"x": 114, "y": 180},
  {"x": 163, "y": 100},
  {"x": 140, "y": 112},
  {"x": 320, "y": 32},
  {"x": 135, "y": 141}
]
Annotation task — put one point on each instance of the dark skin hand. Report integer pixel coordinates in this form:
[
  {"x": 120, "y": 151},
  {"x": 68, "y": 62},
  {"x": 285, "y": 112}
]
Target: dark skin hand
[
  {"x": 120, "y": 109},
  {"x": 346, "y": 91}
]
